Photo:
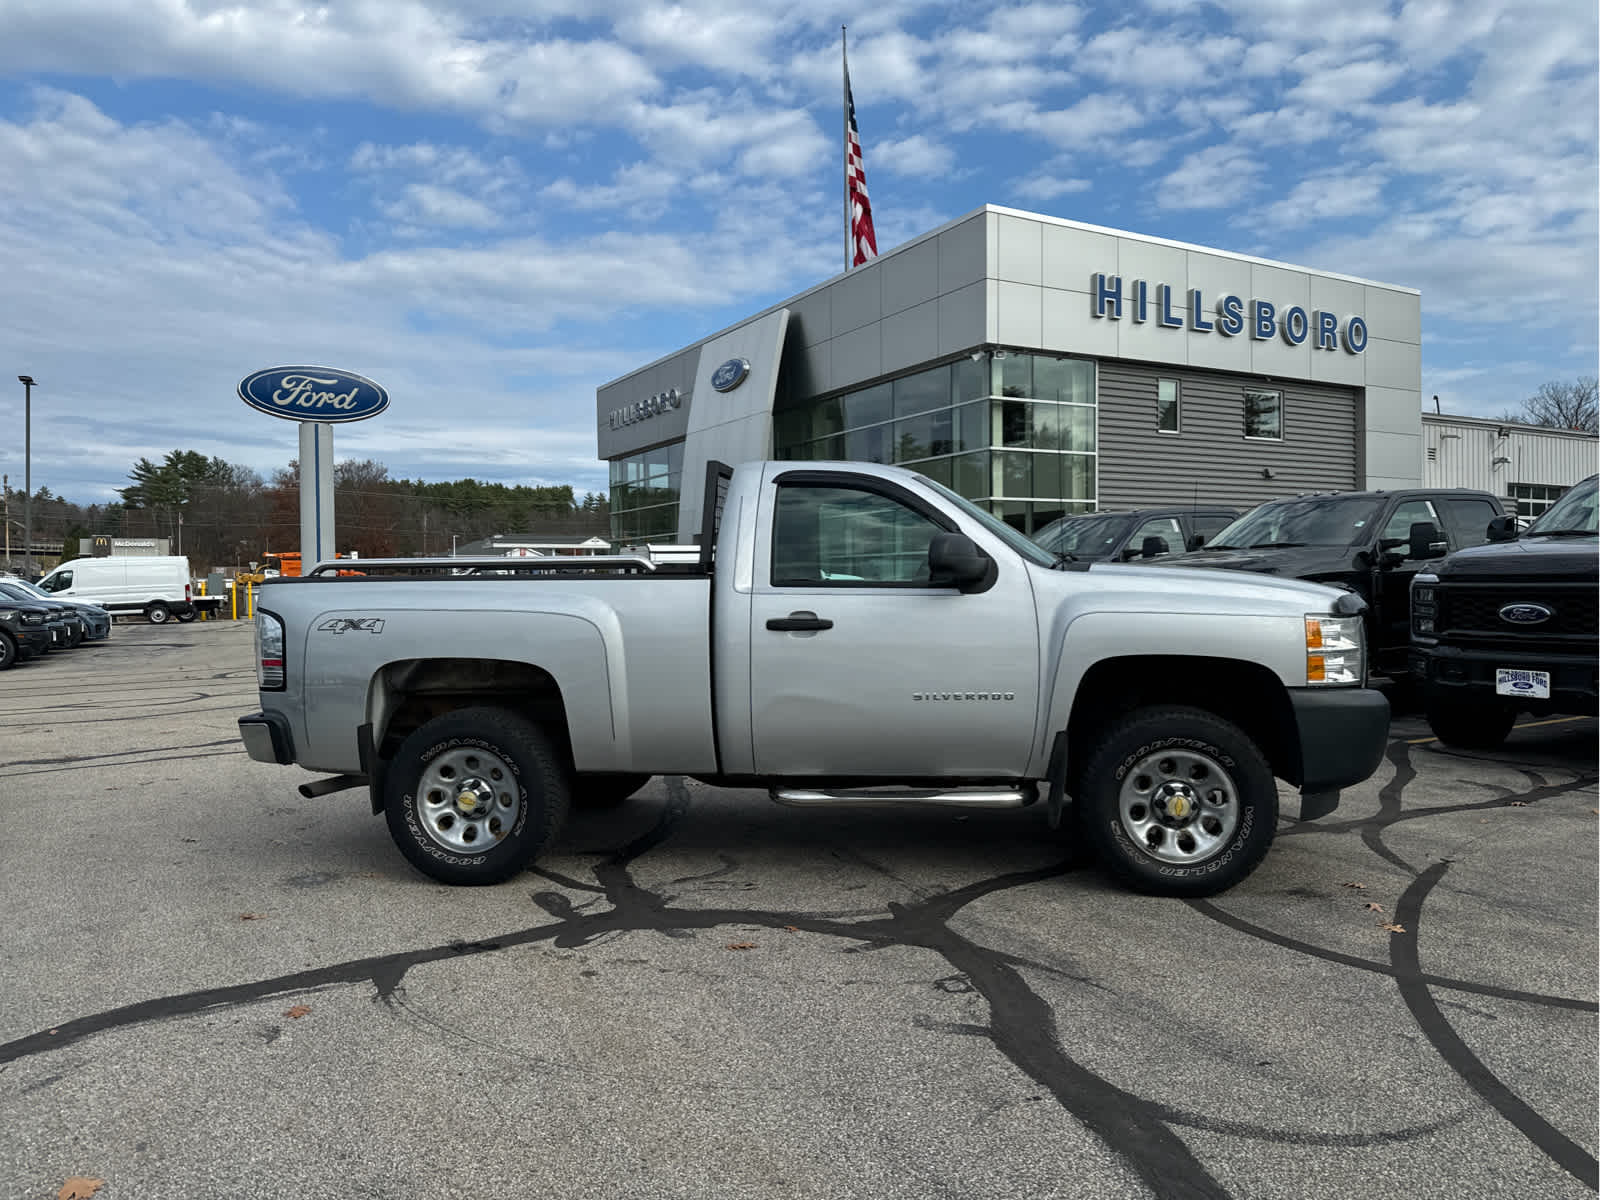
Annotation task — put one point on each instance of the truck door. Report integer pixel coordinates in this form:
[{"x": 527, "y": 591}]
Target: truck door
[
  {"x": 858, "y": 665},
  {"x": 1393, "y": 591}
]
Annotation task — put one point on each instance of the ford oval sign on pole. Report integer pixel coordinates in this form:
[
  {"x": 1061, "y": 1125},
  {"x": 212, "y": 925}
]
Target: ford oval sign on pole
[
  {"x": 730, "y": 374},
  {"x": 313, "y": 394},
  {"x": 319, "y": 398}
]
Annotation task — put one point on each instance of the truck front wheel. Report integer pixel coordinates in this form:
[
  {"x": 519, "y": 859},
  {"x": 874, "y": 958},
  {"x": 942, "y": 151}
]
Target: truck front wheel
[
  {"x": 1469, "y": 726},
  {"x": 1177, "y": 802},
  {"x": 474, "y": 795}
]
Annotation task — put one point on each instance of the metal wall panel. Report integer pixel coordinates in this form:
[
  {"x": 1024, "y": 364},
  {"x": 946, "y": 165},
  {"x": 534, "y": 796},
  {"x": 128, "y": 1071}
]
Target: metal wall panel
[
  {"x": 1490, "y": 456},
  {"x": 1210, "y": 460}
]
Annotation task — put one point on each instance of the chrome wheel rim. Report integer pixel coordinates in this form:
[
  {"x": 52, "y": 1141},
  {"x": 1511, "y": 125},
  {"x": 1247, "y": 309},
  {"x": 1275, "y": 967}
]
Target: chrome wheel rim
[
  {"x": 1179, "y": 806},
  {"x": 468, "y": 800}
]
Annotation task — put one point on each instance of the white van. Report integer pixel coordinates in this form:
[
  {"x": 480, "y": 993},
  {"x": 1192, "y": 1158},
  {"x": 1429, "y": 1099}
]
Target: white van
[{"x": 157, "y": 586}]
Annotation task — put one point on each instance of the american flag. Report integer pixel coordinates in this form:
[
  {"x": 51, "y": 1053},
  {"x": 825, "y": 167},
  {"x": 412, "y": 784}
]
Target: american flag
[{"x": 863, "y": 240}]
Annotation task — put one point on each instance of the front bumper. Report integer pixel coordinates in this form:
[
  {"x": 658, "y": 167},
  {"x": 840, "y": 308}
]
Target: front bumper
[
  {"x": 32, "y": 640},
  {"x": 266, "y": 737},
  {"x": 1343, "y": 734},
  {"x": 1447, "y": 671}
]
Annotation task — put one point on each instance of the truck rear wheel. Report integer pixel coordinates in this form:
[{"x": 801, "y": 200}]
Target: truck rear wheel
[
  {"x": 605, "y": 791},
  {"x": 474, "y": 795},
  {"x": 157, "y": 613},
  {"x": 1177, "y": 802},
  {"x": 1469, "y": 726}
]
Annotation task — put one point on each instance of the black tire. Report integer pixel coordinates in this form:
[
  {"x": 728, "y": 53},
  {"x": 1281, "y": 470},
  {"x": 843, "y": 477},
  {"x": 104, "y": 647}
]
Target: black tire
[
  {"x": 477, "y": 751},
  {"x": 157, "y": 613},
  {"x": 1470, "y": 726},
  {"x": 8, "y": 651},
  {"x": 1192, "y": 761},
  {"x": 605, "y": 791},
  {"x": 186, "y": 614}
]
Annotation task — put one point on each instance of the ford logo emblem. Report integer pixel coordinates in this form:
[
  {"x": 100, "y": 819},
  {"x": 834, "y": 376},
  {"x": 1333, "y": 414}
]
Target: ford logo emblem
[
  {"x": 730, "y": 374},
  {"x": 324, "y": 394},
  {"x": 1525, "y": 614}
]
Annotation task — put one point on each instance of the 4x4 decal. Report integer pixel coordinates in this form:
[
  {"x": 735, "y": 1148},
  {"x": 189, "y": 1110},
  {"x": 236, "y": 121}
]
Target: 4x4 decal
[{"x": 356, "y": 624}]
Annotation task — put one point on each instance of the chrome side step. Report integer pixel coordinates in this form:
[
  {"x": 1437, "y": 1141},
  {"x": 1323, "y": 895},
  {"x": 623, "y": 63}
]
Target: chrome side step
[{"x": 918, "y": 797}]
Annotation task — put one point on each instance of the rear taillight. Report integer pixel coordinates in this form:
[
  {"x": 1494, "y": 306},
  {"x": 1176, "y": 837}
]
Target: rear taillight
[
  {"x": 187, "y": 596},
  {"x": 269, "y": 652}
]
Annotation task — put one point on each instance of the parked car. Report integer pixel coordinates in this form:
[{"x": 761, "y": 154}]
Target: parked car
[
  {"x": 1503, "y": 629},
  {"x": 159, "y": 586},
  {"x": 1140, "y": 533},
  {"x": 96, "y": 620},
  {"x": 1371, "y": 543},
  {"x": 24, "y": 632},
  {"x": 66, "y": 627},
  {"x": 852, "y": 634}
]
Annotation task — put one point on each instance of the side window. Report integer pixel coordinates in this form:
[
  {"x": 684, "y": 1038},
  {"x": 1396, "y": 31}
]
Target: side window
[
  {"x": 1263, "y": 414},
  {"x": 842, "y": 536},
  {"x": 1467, "y": 520},
  {"x": 1208, "y": 525},
  {"x": 1167, "y": 416},
  {"x": 58, "y": 581},
  {"x": 1408, "y": 513},
  {"x": 1164, "y": 534}
]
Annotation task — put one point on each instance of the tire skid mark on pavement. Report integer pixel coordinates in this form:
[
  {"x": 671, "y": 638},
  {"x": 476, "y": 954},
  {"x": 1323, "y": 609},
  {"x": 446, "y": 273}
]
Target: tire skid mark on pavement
[
  {"x": 127, "y": 762},
  {"x": 1405, "y": 965},
  {"x": 1451, "y": 1047},
  {"x": 1022, "y": 1024},
  {"x": 63, "y": 760}
]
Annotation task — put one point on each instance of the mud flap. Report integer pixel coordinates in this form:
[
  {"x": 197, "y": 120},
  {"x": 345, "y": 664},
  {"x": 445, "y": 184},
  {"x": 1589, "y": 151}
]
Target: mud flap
[
  {"x": 1058, "y": 781},
  {"x": 1318, "y": 804}
]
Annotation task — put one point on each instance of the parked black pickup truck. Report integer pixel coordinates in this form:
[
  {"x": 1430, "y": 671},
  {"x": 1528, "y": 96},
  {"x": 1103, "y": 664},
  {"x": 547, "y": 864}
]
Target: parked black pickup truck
[
  {"x": 1510, "y": 628},
  {"x": 1370, "y": 542}
]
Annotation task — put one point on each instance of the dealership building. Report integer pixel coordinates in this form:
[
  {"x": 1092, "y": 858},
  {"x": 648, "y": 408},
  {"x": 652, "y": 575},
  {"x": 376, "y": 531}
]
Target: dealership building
[{"x": 1040, "y": 367}]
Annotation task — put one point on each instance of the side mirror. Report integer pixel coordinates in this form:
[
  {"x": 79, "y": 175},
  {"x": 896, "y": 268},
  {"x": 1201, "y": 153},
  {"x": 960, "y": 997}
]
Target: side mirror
[
  {"x": 1196, "y": 541},
  {"x": 1502, "y": 529},
  {"x": 955, "y": 560},
  {"x": 1425, "y": 541},
  {"x": 1153, "y": 547}
]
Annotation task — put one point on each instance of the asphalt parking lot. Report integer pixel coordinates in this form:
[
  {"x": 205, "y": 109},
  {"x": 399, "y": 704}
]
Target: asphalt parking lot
[{"x": 213, "y": 987}]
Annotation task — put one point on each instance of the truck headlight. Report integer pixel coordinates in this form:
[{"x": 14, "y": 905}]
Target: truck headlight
[
  {"x": 1424, "y": 604},
  {"x": 1335, "y": 650}
]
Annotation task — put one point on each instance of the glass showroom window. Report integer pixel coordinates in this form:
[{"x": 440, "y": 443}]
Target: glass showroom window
[
  {"x": 644, "y": 494},
  {"x": 1263, "y": 415},
  {"x": 996, "y": 428},
  {"x": 1167, "y": 420}
]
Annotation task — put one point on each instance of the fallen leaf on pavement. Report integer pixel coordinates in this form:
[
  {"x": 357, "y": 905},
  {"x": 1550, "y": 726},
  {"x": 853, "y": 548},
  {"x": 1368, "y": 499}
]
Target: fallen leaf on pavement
[
  {"x": 1519, "y": 804},
  {"x": 1358, "y": 886},
  {"x": 251, "y": 916},
  {"x": 1372, "y": 907},
  {"x": 79, "y": 1188},
  {"x": 741, "y": 945},
  {"x": 298, "y": 1011},
  {"x": 792, "y": 928},
  {"x": 1391, "y": 927}
]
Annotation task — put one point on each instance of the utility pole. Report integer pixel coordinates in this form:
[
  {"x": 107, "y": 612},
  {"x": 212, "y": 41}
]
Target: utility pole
[
  {"x": 27, "y": 473},
  {"x": 5, "y": 485}
]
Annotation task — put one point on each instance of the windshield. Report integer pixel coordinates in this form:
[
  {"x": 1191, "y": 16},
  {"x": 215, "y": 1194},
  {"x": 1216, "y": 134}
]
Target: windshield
[
  {"x": 1309, "y": 521},
  {"x": 1086, "y": 536},
  {"x": 1017, "y": 541},
  {"x": 32, "y": 589},
  {"x": 1574, "y": 511}
]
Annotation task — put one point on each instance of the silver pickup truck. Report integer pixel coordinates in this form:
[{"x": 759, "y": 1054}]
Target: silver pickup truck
[{"x": 847, "y": 634}]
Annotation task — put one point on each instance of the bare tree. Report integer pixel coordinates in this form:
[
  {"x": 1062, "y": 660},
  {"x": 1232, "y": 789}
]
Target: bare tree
[{"x": 1561, "y": 405}]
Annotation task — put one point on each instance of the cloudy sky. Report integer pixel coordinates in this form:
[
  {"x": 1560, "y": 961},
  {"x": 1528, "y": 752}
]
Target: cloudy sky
[{"x": 492, "y": 208}]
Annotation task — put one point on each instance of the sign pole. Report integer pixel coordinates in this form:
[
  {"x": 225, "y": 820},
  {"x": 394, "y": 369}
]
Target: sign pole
[{"x": 316, "y": 494}]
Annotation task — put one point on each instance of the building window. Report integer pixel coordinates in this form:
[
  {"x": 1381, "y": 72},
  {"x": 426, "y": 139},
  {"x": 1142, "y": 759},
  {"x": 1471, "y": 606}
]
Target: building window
[
  {"x": 1533, "y": 498},
  {"x": 1167, "y": 406},
  {"x": 1263, "y": 415},
  {"x": 644, "y": 494},
  {"x": 1013, "y": 432}
]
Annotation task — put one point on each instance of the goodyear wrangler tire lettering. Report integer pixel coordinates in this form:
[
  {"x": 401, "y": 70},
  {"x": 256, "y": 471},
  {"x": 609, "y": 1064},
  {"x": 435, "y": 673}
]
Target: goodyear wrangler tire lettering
[
  {"x": 1177, "y": 801},
  {"x": 473, "y": 796}
]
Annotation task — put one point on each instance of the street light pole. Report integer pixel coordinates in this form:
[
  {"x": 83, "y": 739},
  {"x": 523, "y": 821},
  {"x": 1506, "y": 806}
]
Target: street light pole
[{"x": 27, "y": 473}]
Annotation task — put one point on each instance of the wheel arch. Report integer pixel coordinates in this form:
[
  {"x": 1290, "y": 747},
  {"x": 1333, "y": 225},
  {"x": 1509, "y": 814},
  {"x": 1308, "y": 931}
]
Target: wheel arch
[{"x": 1246, "y": 694}]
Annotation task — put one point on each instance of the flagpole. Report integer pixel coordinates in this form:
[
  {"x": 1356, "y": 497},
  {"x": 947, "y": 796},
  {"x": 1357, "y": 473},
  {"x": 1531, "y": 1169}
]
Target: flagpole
[{"x": 844, "y": 52}]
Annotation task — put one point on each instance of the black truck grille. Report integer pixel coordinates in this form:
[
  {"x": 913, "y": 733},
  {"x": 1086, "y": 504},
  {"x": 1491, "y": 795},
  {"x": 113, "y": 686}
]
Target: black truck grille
[{"x": 1466, "y": 609}]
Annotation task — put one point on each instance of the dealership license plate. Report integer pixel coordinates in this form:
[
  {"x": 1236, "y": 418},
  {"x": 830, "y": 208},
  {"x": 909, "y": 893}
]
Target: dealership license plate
[{"x": 1535, "y": 685}]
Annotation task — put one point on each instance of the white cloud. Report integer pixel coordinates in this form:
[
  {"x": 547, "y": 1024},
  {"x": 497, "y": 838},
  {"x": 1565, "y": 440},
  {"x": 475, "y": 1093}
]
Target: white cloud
[
  {"x": 1329, "y": 196},
  {"x": 916, "y": 155},
  {"x": 1040, "y": 188},
  {"x": 1216, "y": 177}
]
